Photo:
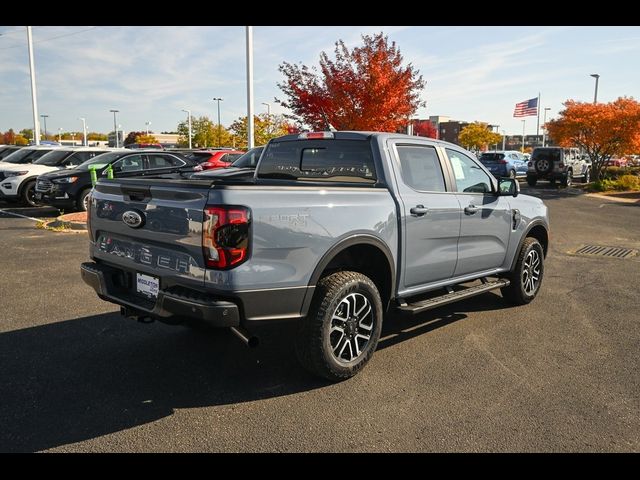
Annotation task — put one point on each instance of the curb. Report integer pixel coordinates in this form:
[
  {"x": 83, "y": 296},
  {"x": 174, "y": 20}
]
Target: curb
[{"x": 612, "y": 198}]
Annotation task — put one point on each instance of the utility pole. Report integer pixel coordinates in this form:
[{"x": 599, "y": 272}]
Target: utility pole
[
  {"x": 44, "y": 118},
  {"x": 249, "y": 31},
  {"x": 504, "y": 137},
  {"x": 523, "y": 122},
  {"x": 34, "y": 100},
  {"x": 188, "y": 112},
  {"x": 595, "y": 94},
  {"x": 219, "y": 126},
  {"x": 147, "y": 124}
]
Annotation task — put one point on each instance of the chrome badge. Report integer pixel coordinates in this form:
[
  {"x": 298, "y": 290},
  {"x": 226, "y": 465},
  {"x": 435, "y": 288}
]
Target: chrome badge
[{"x": 132, "y": 219}]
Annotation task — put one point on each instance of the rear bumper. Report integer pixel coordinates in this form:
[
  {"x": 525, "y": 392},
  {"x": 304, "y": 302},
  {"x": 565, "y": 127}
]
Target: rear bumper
[
  {"x": 548, "y": 175},
  {"x": 169, "y": 306}
]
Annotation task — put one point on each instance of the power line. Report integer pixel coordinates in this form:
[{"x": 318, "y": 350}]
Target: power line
[{"x": 53, "y": 38}]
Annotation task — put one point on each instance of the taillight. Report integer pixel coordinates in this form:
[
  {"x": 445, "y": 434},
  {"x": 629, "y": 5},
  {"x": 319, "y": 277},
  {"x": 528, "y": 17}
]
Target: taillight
[
  {"x": 561, "y": 165},
  {"x": 225, "y": 236},
  {"x": 530, "y": 164},
  {"x": 503, "y": 162}
]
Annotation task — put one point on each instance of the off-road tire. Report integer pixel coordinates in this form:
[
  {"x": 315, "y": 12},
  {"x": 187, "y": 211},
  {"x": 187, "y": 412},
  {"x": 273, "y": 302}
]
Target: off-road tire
[
  {"x": 532, "y": 181},
  {"x": 313, "y": 344}
]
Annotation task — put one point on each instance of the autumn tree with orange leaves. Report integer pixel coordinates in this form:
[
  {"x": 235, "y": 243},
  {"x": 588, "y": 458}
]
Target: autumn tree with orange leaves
[
  {"x": 602, "y": 130},
  {"x": 366, "y": 88}
]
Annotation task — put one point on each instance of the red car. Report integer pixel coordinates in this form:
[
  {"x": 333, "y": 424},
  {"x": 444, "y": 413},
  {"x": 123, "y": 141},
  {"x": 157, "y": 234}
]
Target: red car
[
  {"x": 211, "y": 159},
  {"x": 617, "y": 162}
]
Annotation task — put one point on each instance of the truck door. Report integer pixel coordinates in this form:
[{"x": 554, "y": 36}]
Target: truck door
[
  {"x": 486, "y": 217},
  {"x": 430, "y": 216}
]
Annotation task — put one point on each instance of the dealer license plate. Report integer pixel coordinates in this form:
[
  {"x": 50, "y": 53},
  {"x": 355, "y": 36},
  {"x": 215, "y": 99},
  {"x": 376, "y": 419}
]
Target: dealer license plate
[{"x": 147, "y": 285}]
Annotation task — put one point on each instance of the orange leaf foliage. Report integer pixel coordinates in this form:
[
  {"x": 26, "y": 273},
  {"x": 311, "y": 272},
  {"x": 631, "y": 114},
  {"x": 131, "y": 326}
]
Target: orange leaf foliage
[{"x": 366, "y": 88}]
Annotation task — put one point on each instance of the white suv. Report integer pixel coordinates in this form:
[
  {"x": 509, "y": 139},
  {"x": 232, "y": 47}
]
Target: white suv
[{"x": 18, "y": 179}]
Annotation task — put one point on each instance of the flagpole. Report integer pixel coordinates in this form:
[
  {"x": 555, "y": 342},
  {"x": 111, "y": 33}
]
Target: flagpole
[
  {"x": 538, "y": 125},
  {"x": 523, "y": 122}
]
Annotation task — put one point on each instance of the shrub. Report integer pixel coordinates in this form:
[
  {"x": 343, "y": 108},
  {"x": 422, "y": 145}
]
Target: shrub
[{"x": 628, "y": 182}]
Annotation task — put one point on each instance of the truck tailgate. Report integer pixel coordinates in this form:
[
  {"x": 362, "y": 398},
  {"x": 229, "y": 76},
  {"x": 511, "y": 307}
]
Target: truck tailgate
[{"x": 151, "y": 226}]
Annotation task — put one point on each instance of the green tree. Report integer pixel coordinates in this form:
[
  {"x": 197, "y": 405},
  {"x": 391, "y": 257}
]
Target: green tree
[
  {"x": 266, "y": 127},
  {"x": 27, "y": 133},
  {"x": 204, "y": 133},
  {"x": 478, "y": 136}
]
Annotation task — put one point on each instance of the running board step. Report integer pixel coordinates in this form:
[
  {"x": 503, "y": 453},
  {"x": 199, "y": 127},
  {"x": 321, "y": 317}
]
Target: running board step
[{"x": 453, "y": 296}]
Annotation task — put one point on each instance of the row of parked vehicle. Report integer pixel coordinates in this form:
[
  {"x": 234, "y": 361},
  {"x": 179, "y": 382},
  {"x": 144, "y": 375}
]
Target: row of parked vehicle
[{"x": 62, "y": 176}]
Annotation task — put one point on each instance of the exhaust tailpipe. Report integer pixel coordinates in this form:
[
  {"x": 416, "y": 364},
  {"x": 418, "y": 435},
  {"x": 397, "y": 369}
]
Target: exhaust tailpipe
[{"x": 248, "y": 339}]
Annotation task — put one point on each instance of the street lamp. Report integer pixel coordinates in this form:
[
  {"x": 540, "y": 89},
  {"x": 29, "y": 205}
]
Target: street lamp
[
  {"x": 59, "y": 134},
  {"x": 544, "y": 123},
  {"x": 497, "y": 131},
  {"x": 147, "y": 124},
  {"x": 44, "y": 118},
  {"x": 115, "y": 125},
  {"x": 268, "y": 108},
  {"x": 595, "y": 95},
  {"x": 34, "y": 97},
  {"x": 216, "y": 99},
  {"x": 504, "y": 137},
  {"x": 189, "y": 119},
  {"x": 84, "y": 131}
]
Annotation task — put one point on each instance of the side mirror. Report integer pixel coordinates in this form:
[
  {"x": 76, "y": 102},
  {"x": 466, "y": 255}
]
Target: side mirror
[{"x": 508, "y": 187}]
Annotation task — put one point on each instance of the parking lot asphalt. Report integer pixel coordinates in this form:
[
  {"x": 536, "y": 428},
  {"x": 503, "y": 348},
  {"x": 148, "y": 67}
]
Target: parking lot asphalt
[{"x": 560, "y": 374}]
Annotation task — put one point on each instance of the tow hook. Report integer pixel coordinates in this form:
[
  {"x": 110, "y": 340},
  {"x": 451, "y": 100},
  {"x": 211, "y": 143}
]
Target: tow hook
[{"x": 135, "y": 315}]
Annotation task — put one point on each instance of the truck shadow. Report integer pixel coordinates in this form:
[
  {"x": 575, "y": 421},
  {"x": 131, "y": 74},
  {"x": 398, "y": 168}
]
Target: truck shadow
[{"x": 79, "y": 379}]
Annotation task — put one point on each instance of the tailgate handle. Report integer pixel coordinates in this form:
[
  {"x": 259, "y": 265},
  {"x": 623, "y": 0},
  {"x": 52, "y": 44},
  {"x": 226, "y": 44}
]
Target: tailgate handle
[{"x": 136, "y": 194}]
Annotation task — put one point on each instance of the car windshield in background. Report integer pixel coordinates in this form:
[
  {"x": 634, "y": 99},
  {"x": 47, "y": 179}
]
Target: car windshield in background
[
  {"x": 491, "y": 157},
  {"x": 104, "y": 159},
  {"x": 53, "y": 158},
  {"x": 249, "y": 159},
  {"x": 319, "y": 161},
  {"x": 21, "y": 156},
  {"x": 546, "y": 154}
]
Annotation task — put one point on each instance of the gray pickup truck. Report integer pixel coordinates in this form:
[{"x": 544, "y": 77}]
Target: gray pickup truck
[{"x": 333, "y": 230}]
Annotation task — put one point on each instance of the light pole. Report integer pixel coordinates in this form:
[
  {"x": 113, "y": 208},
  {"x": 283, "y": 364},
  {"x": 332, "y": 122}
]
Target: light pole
[
  {"x": 115, "y": 125},
  {"x": 522, "y": 135},
  {"x": 84, "y": 131},
  {"x": 59, "y": 134},
  {"x": 249, "y": 47},
  {"x": 504, "y": 137},
  {"x": 147, "y": 124},
  {"x": 497, "y": 131},
  {"x": 44, "y": 118},
  {"x": 217, "y": 99},
  {"x": 188, "y": 112},
  {"x": 544, "y": 126},
  {"x": 595, "y": 95},
  {"x": 268, "y": 108},
  {"x": 34, "y": 100}
]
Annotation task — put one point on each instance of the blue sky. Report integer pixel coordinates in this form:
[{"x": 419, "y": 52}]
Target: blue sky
[{"x": 152, "y": 73}]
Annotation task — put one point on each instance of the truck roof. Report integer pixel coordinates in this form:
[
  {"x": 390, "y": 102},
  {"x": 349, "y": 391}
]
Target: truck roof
[{"x": 361, "y": 135}]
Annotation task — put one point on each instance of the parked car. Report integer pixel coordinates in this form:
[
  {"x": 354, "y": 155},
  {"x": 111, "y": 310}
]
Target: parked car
[
  {"x": 6, "y": 150},
  {"x": 335, "y": 229},
  {"x": 508, "y": 163},
  {"x": 242, "y": 169},
  {"x": 20, "y": 179},
  {"x": 28, "y": 154},
  {"x": 558, "y": 164},
  {"x": 617, "y": 162},
  {"x": 210, "y": 159},
  {"x": 20, "y": 158},
  {"x": 69, "y": 188},
  {"x": 134, "y": 146}
]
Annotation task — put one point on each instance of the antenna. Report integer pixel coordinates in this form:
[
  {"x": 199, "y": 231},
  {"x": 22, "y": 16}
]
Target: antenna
[{"x": 328, "y": 126}]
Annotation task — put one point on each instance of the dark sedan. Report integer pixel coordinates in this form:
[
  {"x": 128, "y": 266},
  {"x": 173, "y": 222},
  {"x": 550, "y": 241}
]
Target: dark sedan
[{"x": 70, "y": 188}]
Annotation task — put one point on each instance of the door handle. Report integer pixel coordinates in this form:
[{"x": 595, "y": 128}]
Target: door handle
[
  {"x": 419, "y": 210},
  {"x": 471, "y": 209}
]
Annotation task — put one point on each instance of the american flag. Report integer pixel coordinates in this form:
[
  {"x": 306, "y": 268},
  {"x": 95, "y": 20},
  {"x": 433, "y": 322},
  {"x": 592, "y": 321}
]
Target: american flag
[{"x": 526, "y": 108}]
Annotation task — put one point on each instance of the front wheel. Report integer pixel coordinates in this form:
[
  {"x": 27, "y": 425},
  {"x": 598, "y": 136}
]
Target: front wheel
[
  {"x": 587, "y": 176},
  {"x": 82, "y": 204},
  {"x": 342, "y": 329},
  {"x": 29, "y": 194},
  {"x": 567, "y": 180},
  {"x": 512, "y": 174},
  {"x": 526, "y": 277}
]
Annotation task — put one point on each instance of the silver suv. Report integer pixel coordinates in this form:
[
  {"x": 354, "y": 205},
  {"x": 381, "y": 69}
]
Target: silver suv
[{"x": 556, "y": 163}]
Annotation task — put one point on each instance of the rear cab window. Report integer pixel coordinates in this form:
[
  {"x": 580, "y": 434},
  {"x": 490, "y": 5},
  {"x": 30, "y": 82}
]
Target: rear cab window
[{"x": 331, "y": 161}]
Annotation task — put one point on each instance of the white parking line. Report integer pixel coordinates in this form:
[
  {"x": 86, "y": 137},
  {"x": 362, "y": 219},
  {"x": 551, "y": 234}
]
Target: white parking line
[{"x": 18, "y": 215}]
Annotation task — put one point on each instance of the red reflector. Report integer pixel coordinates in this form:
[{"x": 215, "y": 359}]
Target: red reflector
[
  {"x": 315, "y": 135},
  {"x": 225, "y": 236}
]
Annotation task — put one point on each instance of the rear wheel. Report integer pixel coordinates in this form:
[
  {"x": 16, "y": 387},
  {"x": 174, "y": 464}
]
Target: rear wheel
[
  {"x": 526, "y": 277},
  {"x": 342, "y": 329},
  {"x": 532, "y": 181},
  {"x": 512, "y": 174}
]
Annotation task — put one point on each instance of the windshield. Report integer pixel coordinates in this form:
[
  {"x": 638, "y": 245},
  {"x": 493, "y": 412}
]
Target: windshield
[
  {"x": 249, "y": 159},
  {"x": 104, "y": 159},
  {"x": 21, "y": 156},
  {"x": 53, "y": 158}
]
